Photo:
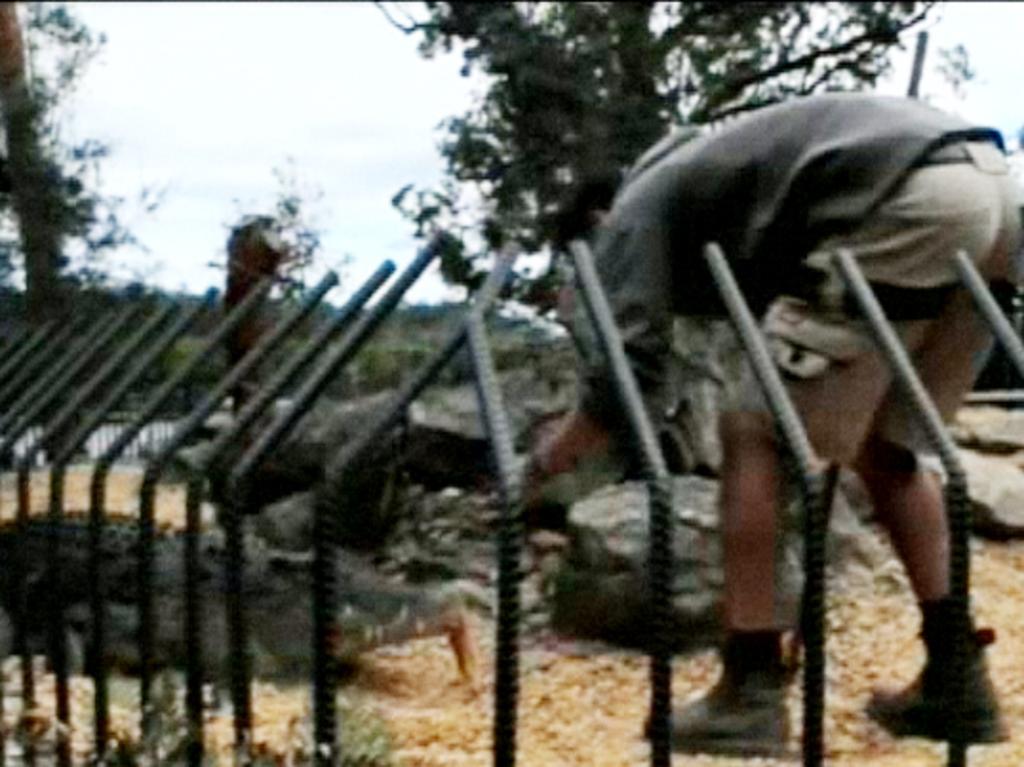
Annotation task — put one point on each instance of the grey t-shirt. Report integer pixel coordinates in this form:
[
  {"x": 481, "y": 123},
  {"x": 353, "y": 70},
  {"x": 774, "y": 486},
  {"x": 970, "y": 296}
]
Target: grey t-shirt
[{"x": 765, "y": 187}]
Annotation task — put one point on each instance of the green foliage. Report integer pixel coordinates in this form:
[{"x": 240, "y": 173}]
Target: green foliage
[
  {"x": 60, "y": 48},
  {"x": 574, "y": 89},
  {"x": 955, "y": 68}
]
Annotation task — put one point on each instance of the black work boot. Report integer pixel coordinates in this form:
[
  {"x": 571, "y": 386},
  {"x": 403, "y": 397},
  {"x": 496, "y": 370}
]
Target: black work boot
[
  {"x": 926, "y": 708},
  {"x": 745, "y": 713}
]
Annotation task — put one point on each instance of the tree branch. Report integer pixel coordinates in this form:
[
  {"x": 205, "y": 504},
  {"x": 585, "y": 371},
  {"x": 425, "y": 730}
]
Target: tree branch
[
  {"x": 806, "y": 61},
  {"x": 409, "y": 28}
]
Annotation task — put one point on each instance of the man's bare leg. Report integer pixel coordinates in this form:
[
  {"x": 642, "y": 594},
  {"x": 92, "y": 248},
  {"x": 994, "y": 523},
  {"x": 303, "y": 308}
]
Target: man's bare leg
[
  {"x": 909, "y": 504},
  {"x": 745, "y": 713},
  {"x": 749, "y": 501}
]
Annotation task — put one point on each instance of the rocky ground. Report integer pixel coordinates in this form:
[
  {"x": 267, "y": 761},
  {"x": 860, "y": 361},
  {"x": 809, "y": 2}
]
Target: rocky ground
[{"x": 584, "y": 702}]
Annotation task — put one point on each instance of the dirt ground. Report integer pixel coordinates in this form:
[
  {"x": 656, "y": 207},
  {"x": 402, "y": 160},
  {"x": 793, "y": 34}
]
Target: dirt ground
[{"x": 585, "y": 705}]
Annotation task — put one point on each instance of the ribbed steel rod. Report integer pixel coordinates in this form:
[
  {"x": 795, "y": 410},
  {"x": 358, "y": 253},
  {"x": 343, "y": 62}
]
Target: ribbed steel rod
[
  {"x": 22, "y": 347},
  {"x": 255, "y": 407},
  {"x": 67, "y": 414},
  {"x": 334, "y": 361},
  {"x": 211, "y": 344},
  {"x": 957, "y": 501},
  {"x": 71, "y": 412},
  {"x": 510, "y": 543},
  {"x": 310, "y": 390},
  {"x": 660, "y": 498},
  {"x": 15, "y": 343},
  {"x": 325, "y": 515},
  {"x": 207, "y": 406},
  {"x": 54, "y": 388},
  {"x": 55, "y": 384},
  {"x": 47, "y": 390},
  {"x": 816, "y": 495},
  {"x": 35, "y": 340},
  {"x": 59, "y": 424},
  {"x": 989, "y": 309},
  {"x": 45, "y": 350}
]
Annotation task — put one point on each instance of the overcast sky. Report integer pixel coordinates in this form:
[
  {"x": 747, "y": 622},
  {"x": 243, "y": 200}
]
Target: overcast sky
[{"x": 205, "y": 99}]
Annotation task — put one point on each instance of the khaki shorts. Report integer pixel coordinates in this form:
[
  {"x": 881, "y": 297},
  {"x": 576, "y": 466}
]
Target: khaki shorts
[{"x": 839, "y": 382}]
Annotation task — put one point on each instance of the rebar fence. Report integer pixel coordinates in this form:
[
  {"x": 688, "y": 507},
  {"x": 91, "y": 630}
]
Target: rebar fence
[{"x": 78, "y": 380}]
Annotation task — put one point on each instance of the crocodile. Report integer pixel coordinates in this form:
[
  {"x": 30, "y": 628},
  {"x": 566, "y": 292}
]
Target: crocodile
[{"x": 371, "y": 611}]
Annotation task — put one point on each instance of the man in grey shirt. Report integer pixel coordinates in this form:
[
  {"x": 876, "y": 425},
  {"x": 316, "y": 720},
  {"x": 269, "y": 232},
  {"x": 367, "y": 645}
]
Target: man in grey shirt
[{"x": 903, "y": 187}]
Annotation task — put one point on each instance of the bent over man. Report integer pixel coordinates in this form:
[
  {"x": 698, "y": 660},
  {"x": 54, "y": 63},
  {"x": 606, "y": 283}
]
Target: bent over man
[{"x": 903, "y": 187}]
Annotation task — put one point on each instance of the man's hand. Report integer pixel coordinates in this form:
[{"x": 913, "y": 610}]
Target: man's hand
[{"x": 560, "y": 447}]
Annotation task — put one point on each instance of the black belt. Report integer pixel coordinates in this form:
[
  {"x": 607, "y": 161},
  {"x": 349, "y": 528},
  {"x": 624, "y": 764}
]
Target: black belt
[{"x": 901, "y": 304}]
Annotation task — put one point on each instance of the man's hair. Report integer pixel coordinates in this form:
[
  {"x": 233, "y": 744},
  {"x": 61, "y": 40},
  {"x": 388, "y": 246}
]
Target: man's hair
[
  {"x": 5, "y": 177},
  {"x": 594, "y": 191}
]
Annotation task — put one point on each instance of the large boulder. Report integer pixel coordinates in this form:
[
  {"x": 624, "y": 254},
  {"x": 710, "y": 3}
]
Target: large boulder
[
  {"x": 996, "y": 488},
  {"x": 599, "y": 590},
  {"x": 990, "y": 429}
]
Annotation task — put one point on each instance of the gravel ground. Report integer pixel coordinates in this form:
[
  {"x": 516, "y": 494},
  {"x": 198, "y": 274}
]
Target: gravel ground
[{"x": 584, "y": 704}]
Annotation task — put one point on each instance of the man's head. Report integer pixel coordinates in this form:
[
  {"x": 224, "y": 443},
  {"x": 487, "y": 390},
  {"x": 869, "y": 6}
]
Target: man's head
[{"x": 584, "y": 205}]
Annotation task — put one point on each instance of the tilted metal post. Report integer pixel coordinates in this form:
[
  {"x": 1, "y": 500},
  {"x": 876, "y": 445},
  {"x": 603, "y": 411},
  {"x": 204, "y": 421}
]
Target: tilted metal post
[
  {"x": 659, "y": 493},
  {"x": 325, "y": 538},
  {"x": 157, "y": 400},
  {"x": 246, "y": 417},
  {"x": 71, "y": 412},
  {"x": 39, "y": 346},
  {"x": 817, "y": 492},
  {"x": 958, "y": 510}
]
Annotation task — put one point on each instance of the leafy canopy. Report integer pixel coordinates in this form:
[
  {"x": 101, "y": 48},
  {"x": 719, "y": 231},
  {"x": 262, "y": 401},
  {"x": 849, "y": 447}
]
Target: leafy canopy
[{"x": 577, "y": 89}]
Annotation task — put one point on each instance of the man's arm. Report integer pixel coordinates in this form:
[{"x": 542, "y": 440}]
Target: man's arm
[{"x": 632, "y": 260}]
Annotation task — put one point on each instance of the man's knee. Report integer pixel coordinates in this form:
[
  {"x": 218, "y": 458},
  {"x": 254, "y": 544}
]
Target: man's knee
[
  {"x": 746, "y": 427},
  {"x": 882, "y": 457}
]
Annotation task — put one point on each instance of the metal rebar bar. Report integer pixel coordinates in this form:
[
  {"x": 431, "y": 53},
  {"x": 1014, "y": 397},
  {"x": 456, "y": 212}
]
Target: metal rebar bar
[
  {"x": 55, "y": 612},
  {"x": 24, "y": 347},
  {"x": 195, "y": 488},
  {"x": 310, "y": 390},
  {"x": 50, "y": 357},
  {"x": 336, "y": 359},
  {"x": 325, "y": 534},
  {"x": 34, "y": 401},
  {"x": 193, "y": 638},
  {"x": 209, "y": 403},
  {"x": 510, "y": 544},
  {"x": 96, "y": 525},
  {"x": 134, "y": 427},
  {"x": 44, "y": 335},
  {"x": 958, "y": 510},
  {"x": 53, "y": 386},
  {"x": 989, "y": 309},
  {"x": 60, "y": 422},
  {"x": 65, "y": 416},
  {"x": 22, "y": 612},
  {"x": 659, "y": 494},
  {"x": 14, "y": 345},
  {"x": 816, "y": 490}
]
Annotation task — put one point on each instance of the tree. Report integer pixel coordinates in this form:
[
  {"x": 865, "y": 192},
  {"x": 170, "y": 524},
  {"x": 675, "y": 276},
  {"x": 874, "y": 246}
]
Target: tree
[
  {"x": 577, "y": 89},
  {"x": 54, "y": 221}
]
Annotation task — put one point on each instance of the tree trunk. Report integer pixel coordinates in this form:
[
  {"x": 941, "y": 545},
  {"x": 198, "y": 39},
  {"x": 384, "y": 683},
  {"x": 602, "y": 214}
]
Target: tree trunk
[{"x": 35, "y": 199}]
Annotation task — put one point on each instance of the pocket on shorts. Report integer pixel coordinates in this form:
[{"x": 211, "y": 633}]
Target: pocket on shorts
[
  {"x": 796, "y": 361},
  {"x": 804, "y": 342}
]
